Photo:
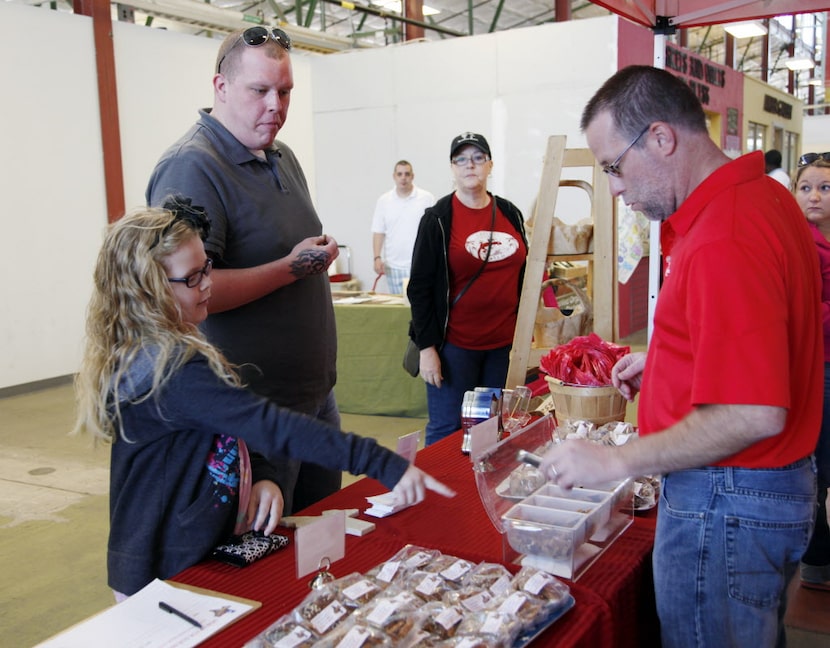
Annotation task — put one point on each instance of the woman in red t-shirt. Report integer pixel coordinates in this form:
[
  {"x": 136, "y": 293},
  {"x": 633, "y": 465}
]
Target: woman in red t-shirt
[{"x": 467, "y": 268}]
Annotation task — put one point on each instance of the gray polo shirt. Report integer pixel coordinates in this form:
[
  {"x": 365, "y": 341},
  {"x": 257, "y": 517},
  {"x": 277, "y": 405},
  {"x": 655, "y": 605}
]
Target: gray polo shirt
[{"x": 259, "y": 210}]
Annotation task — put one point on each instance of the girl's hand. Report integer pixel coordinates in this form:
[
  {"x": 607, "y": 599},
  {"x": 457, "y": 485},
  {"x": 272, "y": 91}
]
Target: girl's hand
[
  {"x": 412, "y": 487},
  {"x": 265, "y": 507}
]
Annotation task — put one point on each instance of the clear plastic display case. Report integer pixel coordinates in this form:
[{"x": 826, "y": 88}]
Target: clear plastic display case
[{"x": 542, "y": 525}]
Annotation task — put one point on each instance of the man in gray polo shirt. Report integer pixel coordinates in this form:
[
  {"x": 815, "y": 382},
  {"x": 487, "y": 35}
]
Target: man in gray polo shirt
[{"x": 270, "y": 307}]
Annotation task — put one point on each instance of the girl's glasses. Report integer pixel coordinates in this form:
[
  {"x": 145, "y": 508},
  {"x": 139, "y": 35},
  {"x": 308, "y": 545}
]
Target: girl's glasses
[{"x": 194, "y": 279}]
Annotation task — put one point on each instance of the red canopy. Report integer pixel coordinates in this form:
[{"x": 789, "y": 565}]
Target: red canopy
[{"x": 694, "y": 13}]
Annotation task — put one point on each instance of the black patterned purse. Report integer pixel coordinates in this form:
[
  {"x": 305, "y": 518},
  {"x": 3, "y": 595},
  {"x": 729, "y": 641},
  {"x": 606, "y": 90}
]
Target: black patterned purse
[{"x": 249, "y": 547}]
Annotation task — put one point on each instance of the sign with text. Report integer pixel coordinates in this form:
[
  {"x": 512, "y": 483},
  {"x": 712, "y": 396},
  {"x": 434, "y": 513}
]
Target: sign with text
[{"x": 701, "y": 74}]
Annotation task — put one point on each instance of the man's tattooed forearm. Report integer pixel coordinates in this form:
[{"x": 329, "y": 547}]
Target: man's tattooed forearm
[{"x": 310, "y": 262}]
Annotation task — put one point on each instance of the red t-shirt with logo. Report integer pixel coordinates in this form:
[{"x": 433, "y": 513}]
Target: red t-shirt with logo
[{"x": 485, "y": 317}]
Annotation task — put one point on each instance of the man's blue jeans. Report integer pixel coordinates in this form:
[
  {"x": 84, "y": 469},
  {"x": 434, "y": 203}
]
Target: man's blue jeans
[
  {"x": 728, "y": 542},
  {"x": 462, "y": 370}
]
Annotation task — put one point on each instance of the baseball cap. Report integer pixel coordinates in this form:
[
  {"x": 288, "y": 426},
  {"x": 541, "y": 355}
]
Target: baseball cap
[{"x": 473, "y": 139}]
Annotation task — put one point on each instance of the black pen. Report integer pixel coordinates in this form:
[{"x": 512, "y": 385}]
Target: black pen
[{"x": 169, "y": 608}]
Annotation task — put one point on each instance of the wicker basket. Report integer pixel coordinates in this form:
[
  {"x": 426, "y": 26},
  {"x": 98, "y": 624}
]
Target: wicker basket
[
  {"x": 598, "y": 405},
  {"x": 552, "y": 327}
]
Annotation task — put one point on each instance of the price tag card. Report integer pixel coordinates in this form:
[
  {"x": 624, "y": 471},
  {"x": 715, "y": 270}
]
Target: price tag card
[
  {"x": 316, "y": 541},
  {"x": 483, "y": 435},
  {"x": 408, "y": 445}
]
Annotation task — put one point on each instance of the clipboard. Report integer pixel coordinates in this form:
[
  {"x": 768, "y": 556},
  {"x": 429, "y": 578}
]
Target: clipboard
[{"x": 138, "y": 621}]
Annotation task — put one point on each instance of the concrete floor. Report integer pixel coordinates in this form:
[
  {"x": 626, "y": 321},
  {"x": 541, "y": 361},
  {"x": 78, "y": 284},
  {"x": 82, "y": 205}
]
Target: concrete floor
[{"x": 53, "y": 522}]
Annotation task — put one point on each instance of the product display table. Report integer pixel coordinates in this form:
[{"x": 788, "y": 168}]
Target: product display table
[
  {"x": 371, "y": 339},
  {"x": 614, "y": 598}
]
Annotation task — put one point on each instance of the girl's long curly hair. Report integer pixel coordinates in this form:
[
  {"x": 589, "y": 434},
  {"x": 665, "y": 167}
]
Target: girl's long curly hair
[{"x": 133, "y": 310}]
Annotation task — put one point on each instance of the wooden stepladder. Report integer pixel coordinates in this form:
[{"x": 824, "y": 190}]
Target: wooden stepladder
[{"x": 602, "y": 262}]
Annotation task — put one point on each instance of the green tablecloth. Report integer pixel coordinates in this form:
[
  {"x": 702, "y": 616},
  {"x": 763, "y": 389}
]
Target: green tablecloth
[{"x": 371, "y": 339}]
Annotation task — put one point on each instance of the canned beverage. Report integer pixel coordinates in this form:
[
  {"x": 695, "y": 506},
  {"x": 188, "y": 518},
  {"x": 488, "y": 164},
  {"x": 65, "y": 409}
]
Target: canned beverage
[{"x": 477, "y": 406}]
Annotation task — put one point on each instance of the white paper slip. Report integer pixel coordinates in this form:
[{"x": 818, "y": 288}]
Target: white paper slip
[
  {"x": 383, "y": 505},
  {"x": 140, "y": 621},
  {"x": 352, "y": 300}
]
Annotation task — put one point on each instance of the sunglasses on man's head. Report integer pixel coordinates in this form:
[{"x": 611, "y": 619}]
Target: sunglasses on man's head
[
  {"x": 809, "y": 158},
  {"x": 258, "y": 36}
]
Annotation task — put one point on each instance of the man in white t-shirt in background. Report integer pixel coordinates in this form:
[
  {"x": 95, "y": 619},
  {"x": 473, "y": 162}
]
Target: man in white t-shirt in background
[
  {"x": 772, "y": 163},
  {"x": 395, "y": 225}
]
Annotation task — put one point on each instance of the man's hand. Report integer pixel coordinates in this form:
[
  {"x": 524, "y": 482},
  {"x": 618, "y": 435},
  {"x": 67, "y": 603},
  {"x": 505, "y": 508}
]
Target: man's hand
[
  {"x": 577, "y": 462},
  {"x": 430, "y": 366},
  {"x": 313, "y": 256},
  {"x": 412, "y": 487},
  {"x": 379, "y": 269},
  {"x": 266, "y": 505},
  {"x": 627, "y": 374}
]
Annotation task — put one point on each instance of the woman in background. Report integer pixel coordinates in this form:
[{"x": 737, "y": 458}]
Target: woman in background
[
  {"x": 181, "y": 478},
  {"x": 812, "y": 191},
  {"x": 464, "y": 287}
]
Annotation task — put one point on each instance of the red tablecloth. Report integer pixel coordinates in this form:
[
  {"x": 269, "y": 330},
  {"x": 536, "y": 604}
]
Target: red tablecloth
[{"x": 614, "y": 598}]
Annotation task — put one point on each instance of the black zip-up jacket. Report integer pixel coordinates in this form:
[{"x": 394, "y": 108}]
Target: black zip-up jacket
[{"x": 429, "y": 281}]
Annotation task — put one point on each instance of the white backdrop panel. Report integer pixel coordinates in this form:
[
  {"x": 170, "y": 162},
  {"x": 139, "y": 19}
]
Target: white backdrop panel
[
  {"x": 516, "y": 87},
  {"x": 163, "y": 79},
  {"x": 52, "y": 186},
  {"x": 454, "y": 70}
]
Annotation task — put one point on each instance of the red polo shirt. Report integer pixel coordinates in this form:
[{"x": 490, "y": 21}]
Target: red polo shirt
[{"x": 738, "y": 319}]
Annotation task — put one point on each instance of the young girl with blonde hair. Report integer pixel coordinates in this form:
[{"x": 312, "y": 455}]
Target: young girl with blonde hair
[{"x": 182, "y": 480}]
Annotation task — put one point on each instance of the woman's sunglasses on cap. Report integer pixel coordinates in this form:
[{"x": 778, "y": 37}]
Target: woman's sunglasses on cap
[{"x": 258, "y": 36}]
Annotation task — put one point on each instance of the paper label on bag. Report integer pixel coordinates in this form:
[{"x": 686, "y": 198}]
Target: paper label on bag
[
  {"x": 388, "y": 571},
  {"x": 298, "y": 636},
  {"x": 448, "y": 618},
  {"x": 322, "y": 539},
  {"x": 429, "y": 584},
  {"x": 382, "y": 612},
  {"x": 354, "y": 638},
  {"x": 417, "y": 559},
  {"x": 512, "y": 604},
  {"x": 493, "y": 624},
  {"x": 500, "y": 586},
  {"x": 455, "y": 571},
  {"x": 537, "y": 582},
  {"x": 328, "y": 617},
  {"x": 477, "y": 602},
  {"x": 359, "y": 589}
]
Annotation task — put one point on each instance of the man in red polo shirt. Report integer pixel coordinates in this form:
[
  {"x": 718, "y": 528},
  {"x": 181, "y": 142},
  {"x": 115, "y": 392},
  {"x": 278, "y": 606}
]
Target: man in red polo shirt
[{"x": 731, "y": 386}]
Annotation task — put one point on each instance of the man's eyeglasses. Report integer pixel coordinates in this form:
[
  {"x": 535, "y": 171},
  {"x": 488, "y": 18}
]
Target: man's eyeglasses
[
  {"x": 809, "y": 158},
  {"x": 477, "y": 158},
  {"x": 257, "y": 37},
  {"x": 613, "y": 169},
  {"x": 194, "y": 279}
]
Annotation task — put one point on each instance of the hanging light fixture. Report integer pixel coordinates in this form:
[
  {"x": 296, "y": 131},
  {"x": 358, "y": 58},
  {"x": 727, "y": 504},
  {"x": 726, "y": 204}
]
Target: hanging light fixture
[
  {"x": 746, "y": 29},
  {"x": 800, "y": 64}
]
